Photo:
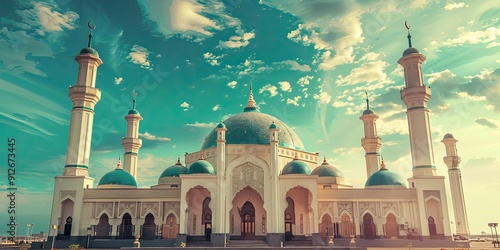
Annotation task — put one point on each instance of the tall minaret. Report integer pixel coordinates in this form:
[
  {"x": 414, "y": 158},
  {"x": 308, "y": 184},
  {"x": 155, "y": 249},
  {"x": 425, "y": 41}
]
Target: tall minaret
[
  {"x": 84, "y": 96},
  {"x": 371, "y": 142},
  {"x": 275, "y": 219},
  {"x": 457, "y": 193},
  {"x": 220, "y": 223},
  {"x": 131, "y": 142},
  {"x": 416, "y": 95}
]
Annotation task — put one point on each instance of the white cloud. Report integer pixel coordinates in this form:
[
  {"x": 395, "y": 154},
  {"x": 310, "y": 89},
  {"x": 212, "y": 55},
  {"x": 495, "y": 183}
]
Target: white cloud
[
  {"x": 323, "y": 98},
  {"x": 185, "y": 105},
  {"x": 285, "y": 86},
  {"x": 304, "y": 80},
  {"x": 294, "y": 65},
  {"x": 150, "y": 137},
  {"x": 235, "y": 42},
  {"x": 187, "y": 15},
  {"x": 492, "y": 44},
  {"x": 294, "y": 101},
  {"x": 47, "y": 19},
  {"x": 216, "y": 107},
  {"x": 486, "y": 122},
  {"x": 212, "y": 59},
  {"x": 201, "y": 125},
  {"x": 451, "y": 6},
  {"x": 465, "y": 95},
  {"x": 118, "y": 80},
  {"x": 419, "y": 4},
  {"x": 368, "y": 72},
  {"x": 273, "y": 90},
  {"x": 474, "y": 37},
  {"x": 139, "y": 55},
  {"x": 444, "y": 75},
  {"x": 232, "y": 84}
]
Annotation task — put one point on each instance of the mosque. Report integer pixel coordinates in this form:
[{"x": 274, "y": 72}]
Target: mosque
[{"x": 253, "y": 179}]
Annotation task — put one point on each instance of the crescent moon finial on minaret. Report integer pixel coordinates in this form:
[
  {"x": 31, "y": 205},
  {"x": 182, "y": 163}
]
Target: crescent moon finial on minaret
[
  {"x": 90, "y": 34},
  {"x": 409, "y": 35},
  {"x": 135, "y": 95}
]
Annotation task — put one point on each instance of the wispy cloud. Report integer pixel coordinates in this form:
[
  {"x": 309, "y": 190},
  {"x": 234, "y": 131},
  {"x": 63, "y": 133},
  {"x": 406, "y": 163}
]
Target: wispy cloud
[
  {"x": 201, "y": 125},
  {"x": 294, "y": 65},
  {"x": 235, "y": 42},
  {"x": 451, "y": 6},
  {"x": 185, "y": 105},
  {"x": 273, "y": 90},
  {"x": 212, "y": 59},
  {"x": 232, "y": 84},
  {"x": 151, "y": 137},
  {"x": 47, "y": 18},
  {"x": 483, "y": 121}
]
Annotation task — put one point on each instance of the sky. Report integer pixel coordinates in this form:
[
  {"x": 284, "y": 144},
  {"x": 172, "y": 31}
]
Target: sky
[{"x": 191, "y": 62}]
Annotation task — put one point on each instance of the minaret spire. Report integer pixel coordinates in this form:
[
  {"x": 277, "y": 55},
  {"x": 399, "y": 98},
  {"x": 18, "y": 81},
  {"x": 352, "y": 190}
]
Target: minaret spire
[
  {"x": 90, "y": 33},
  {"x": 367, "y": 101},
  {"x": 133, "y": 102},
  {"x": 251, "y": 102},
  {"x": 409, "y": 35}
]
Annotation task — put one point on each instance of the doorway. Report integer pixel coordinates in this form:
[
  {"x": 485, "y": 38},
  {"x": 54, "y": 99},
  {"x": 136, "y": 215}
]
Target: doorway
[
  {"x": 248, "y": 220},
  {"x": 368, "y": 227}
]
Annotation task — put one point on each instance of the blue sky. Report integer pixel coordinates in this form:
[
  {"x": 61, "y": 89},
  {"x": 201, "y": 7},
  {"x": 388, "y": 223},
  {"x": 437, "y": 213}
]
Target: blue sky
[{"x": 191, "y": 62}]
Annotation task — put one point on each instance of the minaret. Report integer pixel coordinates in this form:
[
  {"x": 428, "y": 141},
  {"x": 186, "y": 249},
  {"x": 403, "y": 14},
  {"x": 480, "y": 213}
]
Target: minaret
[
  {"x": 371, "y": 142},
  {"x": 275, "y": 219},
  {"x": 416, "y": 95},
  {"x": 84, "y": 96},
  {"x": 220, "y": 224},
  {"x": 457, "y": 193},
  {"x": 131, "y": 142}
]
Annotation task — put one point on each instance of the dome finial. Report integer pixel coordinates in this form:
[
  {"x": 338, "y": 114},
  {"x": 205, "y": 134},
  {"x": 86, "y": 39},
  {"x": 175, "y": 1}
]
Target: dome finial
[
  {"x": 296, "y": 157},
  {"x": 119, "y": 163},
  {"x": 382, "y": 166},
  {"x": 409, "y": 35},
  {"x": 178, "y": 161},
  {"x": 90, "y": 33},
  {"x": 251, "y": 102},
  {"x": 201, "y": 156},
  {"x": 324, "y": 160},
  {"x": 367, "y": 100}
]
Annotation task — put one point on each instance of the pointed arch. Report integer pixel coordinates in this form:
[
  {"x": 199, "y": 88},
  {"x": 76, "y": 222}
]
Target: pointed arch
[
  {"x": 171, "y": 227},
  {"x": 391, "y": 226},
  {"x": 126, "y": 229},
  {"x": 369, "y": 229},
  {"x": 103, "y": 228},
  {"x": 346, "y": 225},
  {"x": 149, "y": 227}
]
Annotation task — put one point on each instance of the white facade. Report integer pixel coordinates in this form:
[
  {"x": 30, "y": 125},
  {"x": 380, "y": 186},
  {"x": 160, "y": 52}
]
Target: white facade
[{"x": 259, "y": 186}]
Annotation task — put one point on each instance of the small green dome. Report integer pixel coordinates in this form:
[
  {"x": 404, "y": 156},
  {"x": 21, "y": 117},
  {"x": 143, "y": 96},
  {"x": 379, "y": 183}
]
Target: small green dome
[
  {"x": 118, "y": 177},
  {"x": 89, "y": 50},
  {"x": 175, "y": 170},
  {"x": 368, "y": 112},
  {"x": 411, "y": 50},
  {"x": 201, "y": 167},
  {"x": 296, "y": 167},
  {"x": 221, "y": 125},
  {"x": 327, "y": 170},
  {"x": 273, "y": 126},
  {"x": 133, "y": 112},
  {"x": 448, "y": 136},
  {"x": 384, "y": 177}
]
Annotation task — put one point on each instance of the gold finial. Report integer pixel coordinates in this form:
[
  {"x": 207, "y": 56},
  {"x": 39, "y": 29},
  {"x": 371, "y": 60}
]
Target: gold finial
[
  {"x": 201, "y": 156},
  {"x": 324, "y": 160},
  {"x": 382, "y": 166},
  {"x": 135, "y": 96},
  {"x": 119, "y": 163},
  {"x": 251, "y": 102},
  {"x": 178, "y": 161}
]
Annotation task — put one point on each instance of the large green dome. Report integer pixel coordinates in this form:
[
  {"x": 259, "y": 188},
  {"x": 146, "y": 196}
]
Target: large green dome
[
  {"x": 327, "y": 170},
  {"x": 118, "y": 177},
  {"x": 201, "y": 167},
  {"x": 175, "y": 170},
  {"x": 384, "y": 177},
  {"x": 252, "y": 127},
  {"x": 296, "y": 167}
]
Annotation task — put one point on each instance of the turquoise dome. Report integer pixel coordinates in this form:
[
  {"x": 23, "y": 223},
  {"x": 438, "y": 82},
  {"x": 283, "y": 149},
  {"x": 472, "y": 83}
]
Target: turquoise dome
[
  {"x": 253, "y": 128},
  {"x": 296, "y": 167},
  {"x": 133, "y": 112},
  {"x": 118, "y": 177},
  {"x": 384, "y": 177},
  {"x": 89, "y": 50},
  {"x": 410, "y": 50},
  {"x": 201, "y": 167},
  {"x": 221, "y": 125},
  {"x": 327, "y": 170},
  {"x": 175, "y": 170},
  {"x": 273, "y": 126}
]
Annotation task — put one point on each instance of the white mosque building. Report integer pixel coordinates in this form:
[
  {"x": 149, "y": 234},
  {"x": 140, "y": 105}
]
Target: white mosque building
[{"x": 254, "y": 179}]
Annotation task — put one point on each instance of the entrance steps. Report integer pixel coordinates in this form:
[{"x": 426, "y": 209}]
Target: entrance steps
[{"x": 247, "y": 243}]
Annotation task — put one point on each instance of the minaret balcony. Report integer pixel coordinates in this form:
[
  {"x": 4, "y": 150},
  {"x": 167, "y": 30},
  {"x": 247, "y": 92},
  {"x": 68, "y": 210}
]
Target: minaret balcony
[
  {"x": 416, "y": 96},
  {"x": 81, "y": 95},
  {"x": 131, "y": 142}
]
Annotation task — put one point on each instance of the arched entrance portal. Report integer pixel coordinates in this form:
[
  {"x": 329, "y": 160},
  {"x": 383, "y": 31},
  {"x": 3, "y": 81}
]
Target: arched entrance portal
[
  {"x": 149, "y": 228},
  {"x": 299, "y": 214},
  {"x": 103, "y": 229},
  {"x": 248, "y": 220},
  {"x": 199, "y": 213},
  {"x": 326, "y": 227},
  {"x": 432, "y": 226},
  {"x": 126, "y": 229},
  {"x": 391, "y": 226},
  {"x": 368, "y": 227},
  {"x": 248, "y": 215},
  {"x": 67, "y": 226},
  {"x": 170, "y": 228}
]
